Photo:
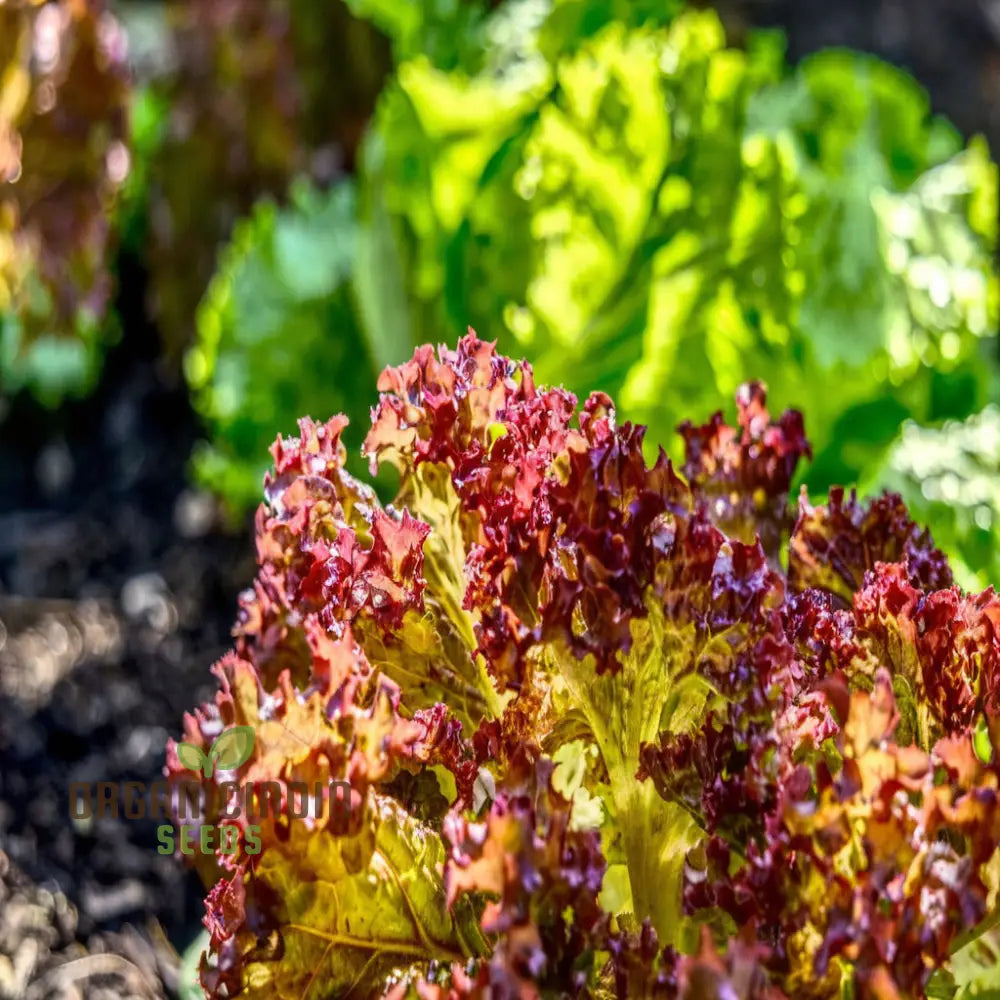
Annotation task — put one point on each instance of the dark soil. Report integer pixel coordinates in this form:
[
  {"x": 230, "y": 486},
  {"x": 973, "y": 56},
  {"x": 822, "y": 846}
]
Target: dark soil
[
  {"x": 118, "y": 588},
  {"x": 118, "y": 584}
]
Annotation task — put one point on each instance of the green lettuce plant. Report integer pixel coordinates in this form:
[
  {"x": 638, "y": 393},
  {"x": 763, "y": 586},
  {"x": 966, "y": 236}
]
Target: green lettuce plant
[
  {"x": 657, "y": 215},
  {"x": 660, "y": 216},
  {"x": 278, "y": 330}
]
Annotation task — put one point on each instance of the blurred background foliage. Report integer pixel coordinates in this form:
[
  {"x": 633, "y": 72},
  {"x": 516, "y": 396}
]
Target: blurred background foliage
[
  {"x": 950, "y": 476},
  {"x": 252, "y": 94},
  {"x": 282, "y": 286},
  {"x": 63, "y": 157},
  {"x": 607, "y": 187}
]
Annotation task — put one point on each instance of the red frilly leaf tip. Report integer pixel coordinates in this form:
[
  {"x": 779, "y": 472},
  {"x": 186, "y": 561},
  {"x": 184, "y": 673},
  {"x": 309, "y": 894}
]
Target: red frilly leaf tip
[
  {"x": 541, "y": 879},
  {"x": 742, "y": 474},
  {"x": 945, "y": 643},
  {"x": 439, "y": 407},
  {"x": 833, "y": 545},
  {"x": 315, "y": 452},
  {"x": 385, "y": 580},
  {"x": 225, "y": 909}
]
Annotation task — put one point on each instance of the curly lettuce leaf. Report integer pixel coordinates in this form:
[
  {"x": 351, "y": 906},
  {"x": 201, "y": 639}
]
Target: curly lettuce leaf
[
  {"x": 354, "y": 911},
  {"x": 834, "y": 545},
  {"x": 346, "y": 893},
  {"x": 633, "y": 618},
  {"x": 873, "y": 858}
]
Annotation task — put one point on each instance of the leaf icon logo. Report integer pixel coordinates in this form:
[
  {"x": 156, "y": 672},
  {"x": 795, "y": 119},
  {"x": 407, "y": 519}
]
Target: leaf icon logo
[
  {"x": 192, "y": 757},
  {"x": 231, "y": 748}
]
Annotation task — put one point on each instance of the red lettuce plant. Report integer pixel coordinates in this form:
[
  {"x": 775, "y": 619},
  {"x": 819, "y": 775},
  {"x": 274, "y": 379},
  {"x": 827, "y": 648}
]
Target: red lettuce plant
[
  {"x": 64, "y": 90},
  {"x": 600, "y": 742}
]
